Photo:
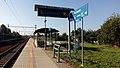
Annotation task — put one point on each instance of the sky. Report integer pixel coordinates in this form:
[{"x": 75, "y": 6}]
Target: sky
[{"x": 21, "y": 13}]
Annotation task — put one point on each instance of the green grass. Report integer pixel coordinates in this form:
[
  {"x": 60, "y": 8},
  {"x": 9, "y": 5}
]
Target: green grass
[
  {"x": 50, "y": 48},
  {"x": 96, "y": 56}
]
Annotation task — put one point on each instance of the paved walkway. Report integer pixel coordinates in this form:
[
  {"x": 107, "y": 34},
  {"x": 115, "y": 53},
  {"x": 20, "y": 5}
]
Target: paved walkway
[{"x": 32, "y": 57}]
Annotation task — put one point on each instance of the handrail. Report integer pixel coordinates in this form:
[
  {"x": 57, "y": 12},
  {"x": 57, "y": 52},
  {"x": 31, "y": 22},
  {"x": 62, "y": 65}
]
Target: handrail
[{"x": 56, "y": 47}]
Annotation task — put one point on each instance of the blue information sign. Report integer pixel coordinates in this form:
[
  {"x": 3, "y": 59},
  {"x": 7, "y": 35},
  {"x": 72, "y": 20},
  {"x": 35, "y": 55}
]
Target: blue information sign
[
  {"x": 81, "y": 12},
  {"x": 49, "y": 29}
]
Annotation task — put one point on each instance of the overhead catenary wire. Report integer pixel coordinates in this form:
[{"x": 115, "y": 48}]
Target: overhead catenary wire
[
  {"x": 13, "y": 7},
  {"x": 24, "y": 31},
  {"x": 12, "y": 11}
]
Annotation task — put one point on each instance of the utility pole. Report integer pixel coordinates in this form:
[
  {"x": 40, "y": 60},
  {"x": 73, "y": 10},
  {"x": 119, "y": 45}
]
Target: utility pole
[{"x": 35, "y": 27}]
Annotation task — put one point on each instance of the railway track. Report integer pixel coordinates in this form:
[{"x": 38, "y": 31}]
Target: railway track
[{"x": 8, "y": 57}]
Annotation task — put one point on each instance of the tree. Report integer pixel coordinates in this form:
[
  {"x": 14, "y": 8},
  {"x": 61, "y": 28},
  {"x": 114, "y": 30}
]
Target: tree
[
  {"x": 90, "y": 36},
  {"x": 64, "y": 36},
  {"x": 15, "y": 33},
  {"x": 3, "y": 29},
  {"x": 5, "y": 33},
  {"x": 110, "y": 30}
]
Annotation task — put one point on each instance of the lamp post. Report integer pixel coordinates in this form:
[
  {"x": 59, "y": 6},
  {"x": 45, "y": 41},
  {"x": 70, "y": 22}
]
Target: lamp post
[{"x": 45, "y": 42}]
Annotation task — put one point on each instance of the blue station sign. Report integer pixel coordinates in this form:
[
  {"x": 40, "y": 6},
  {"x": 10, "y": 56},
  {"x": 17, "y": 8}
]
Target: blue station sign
[{"x": 80, "y": 12}]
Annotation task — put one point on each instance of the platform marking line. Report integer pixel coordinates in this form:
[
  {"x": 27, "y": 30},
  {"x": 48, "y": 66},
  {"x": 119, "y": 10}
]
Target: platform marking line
[{"x": 31, "y": 58}]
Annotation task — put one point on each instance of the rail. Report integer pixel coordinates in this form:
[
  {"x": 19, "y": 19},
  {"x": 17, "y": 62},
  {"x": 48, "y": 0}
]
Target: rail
[
  {"x": 11, "y": 54},
  {"x": 9, "y": 40}
]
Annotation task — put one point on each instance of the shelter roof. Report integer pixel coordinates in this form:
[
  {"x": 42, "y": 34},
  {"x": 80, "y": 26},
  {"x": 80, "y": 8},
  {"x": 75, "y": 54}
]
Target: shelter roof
[
  {"x": 52, "y": 11},
  {"x": 48, "y": 30}
]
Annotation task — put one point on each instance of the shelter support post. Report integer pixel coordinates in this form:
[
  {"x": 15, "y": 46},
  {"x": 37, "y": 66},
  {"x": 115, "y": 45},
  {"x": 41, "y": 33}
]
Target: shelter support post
[
  {"x": 55, "y": 37},
  {"x": 69, "y": 47}
]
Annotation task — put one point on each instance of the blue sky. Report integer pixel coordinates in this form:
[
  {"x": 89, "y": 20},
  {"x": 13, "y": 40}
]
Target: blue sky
[{"x": 21, "y": 12}]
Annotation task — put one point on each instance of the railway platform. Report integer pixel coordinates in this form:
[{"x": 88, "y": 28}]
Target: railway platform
[{"x": 32, "y": 57}]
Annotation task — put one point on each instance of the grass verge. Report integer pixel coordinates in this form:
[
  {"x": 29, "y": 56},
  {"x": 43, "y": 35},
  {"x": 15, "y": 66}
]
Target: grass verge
[{"x": 96, "y": 56}]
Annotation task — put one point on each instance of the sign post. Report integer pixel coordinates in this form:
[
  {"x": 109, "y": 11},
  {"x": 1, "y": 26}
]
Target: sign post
[
  {"x": 82, "y": 42},
  {"x": 78, "y": 16},
  {"x": 75, "y": 40}
]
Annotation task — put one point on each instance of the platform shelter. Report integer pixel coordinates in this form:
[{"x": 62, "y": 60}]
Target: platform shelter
[{"x": 41, "y": 37}]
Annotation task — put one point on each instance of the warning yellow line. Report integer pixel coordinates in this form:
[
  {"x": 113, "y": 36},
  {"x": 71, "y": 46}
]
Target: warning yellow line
[
  {"x": 31, "y": 58},
  {"x": 31, "y": 55}
]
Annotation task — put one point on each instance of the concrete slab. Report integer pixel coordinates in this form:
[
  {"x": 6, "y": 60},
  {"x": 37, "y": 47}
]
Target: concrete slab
[{"x": 32, "y": 57}]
